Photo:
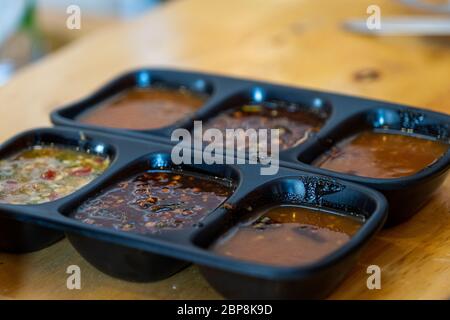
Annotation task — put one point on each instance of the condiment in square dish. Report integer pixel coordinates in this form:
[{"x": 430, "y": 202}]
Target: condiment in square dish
[
  {"x": 44, "y": 173},
  {"x": 294, "y": 122},
  {"x": 155, "y": 200},
  {"x": 288, "y": 236},
  {"x": 378, "y": 154},
  {"x": 144, "y": 108}
]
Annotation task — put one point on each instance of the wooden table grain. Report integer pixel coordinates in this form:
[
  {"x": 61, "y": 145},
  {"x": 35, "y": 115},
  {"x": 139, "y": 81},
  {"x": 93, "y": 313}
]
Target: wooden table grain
[{"x": 287, "y": 41}]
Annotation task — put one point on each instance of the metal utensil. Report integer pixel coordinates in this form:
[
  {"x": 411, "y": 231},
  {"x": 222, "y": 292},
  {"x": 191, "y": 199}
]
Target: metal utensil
[{"x": 411, "y": 26}]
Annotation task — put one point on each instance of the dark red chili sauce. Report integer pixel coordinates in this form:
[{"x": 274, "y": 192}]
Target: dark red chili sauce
[{"x": 155, "y": 200}]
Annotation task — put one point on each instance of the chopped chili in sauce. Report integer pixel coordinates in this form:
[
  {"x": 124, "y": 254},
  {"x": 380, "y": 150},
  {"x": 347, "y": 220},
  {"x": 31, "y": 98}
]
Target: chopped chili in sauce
[
  {"x": 155, "y": 200},
  {"x": 46, "y": 173}
]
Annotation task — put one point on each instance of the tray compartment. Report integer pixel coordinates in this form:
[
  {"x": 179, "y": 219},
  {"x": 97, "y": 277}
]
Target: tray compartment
[
  {"x": 20, "y": 236},
  {"x": 134, "y": 264},
  {"x": 406, "y": 195},
  {"x": 238, "y": 279},
  {"x": 140, "y": 79},
  {"x": 299, "y": 115},
  {"x": 124, "y": 262}
]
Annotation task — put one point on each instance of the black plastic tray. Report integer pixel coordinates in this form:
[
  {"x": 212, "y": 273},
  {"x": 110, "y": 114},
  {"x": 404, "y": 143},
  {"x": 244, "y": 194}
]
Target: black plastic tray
[
  {"x": 137, "y": 257},
  {"x": 346, "y": 115}
]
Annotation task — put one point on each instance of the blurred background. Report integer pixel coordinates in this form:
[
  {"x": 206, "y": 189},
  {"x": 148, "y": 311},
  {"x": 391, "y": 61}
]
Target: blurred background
[{"x": 30, "y": 29}]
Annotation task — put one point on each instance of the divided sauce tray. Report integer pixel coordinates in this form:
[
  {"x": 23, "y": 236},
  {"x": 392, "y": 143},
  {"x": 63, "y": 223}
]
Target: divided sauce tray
[
  {"x": 25, "y": 228},
  {"x": 157, "y": 256}
]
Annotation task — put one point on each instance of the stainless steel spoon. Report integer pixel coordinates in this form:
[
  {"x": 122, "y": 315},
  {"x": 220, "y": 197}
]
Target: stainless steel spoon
[{"x": 409, "y": 26}]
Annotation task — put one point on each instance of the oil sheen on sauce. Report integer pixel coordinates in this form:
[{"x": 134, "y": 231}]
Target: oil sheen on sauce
[
  {"x": 288, "y": 236},
  {"x": 144, "y": 108},
  {"x": 153, "y": 201},
  {"x": 379, "y": 154}
]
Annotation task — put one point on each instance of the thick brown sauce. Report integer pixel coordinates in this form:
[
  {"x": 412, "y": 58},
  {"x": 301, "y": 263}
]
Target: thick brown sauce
[
  {"x": 382, "y": 155},
  {"x": 141, "y": 109},
  {"x": 295, "y": 123},
  {"x": 288, "y": 236},
  {"x": 154, "y": 201}
]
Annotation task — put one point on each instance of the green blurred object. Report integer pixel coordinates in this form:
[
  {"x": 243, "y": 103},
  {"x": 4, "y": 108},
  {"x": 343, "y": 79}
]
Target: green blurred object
[{"x": 20, "y": 39}]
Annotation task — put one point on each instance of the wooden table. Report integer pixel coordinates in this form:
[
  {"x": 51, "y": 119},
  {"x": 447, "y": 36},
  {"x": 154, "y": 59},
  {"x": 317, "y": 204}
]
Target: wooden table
[{"x": 289, "y": 41}]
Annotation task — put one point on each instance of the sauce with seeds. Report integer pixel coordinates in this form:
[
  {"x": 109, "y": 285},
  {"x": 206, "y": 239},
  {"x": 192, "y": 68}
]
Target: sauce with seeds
[
  {"x": 294, "y": 122},
  {"x": 155, "y": 200}
]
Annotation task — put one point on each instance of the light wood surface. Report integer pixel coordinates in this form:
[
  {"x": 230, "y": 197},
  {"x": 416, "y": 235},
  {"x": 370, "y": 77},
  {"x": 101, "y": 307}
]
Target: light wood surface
[{"x": 288, "y": 41}]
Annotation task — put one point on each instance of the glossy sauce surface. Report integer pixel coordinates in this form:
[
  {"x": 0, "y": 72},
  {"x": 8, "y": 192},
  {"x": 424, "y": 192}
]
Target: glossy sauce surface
[
  {"x": 142, "y": 109},
  {"x": 295, "y": 123},
  {"x": 287, "y": 236},
  {"x": 45, "y": 173},
  {"x": 155, "y": 200},
  {"x": 382, "y": 155}
]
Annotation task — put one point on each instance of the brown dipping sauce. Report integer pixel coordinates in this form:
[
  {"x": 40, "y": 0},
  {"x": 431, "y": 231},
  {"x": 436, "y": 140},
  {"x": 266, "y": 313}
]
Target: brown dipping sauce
[
  {"x": 288, "y": 236},
  {"x": 382, "y": 155},
  {"x": 144, "y": 108},
  {"x": 155, "y": 200},
  {"x": 295, "y": 122}
]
